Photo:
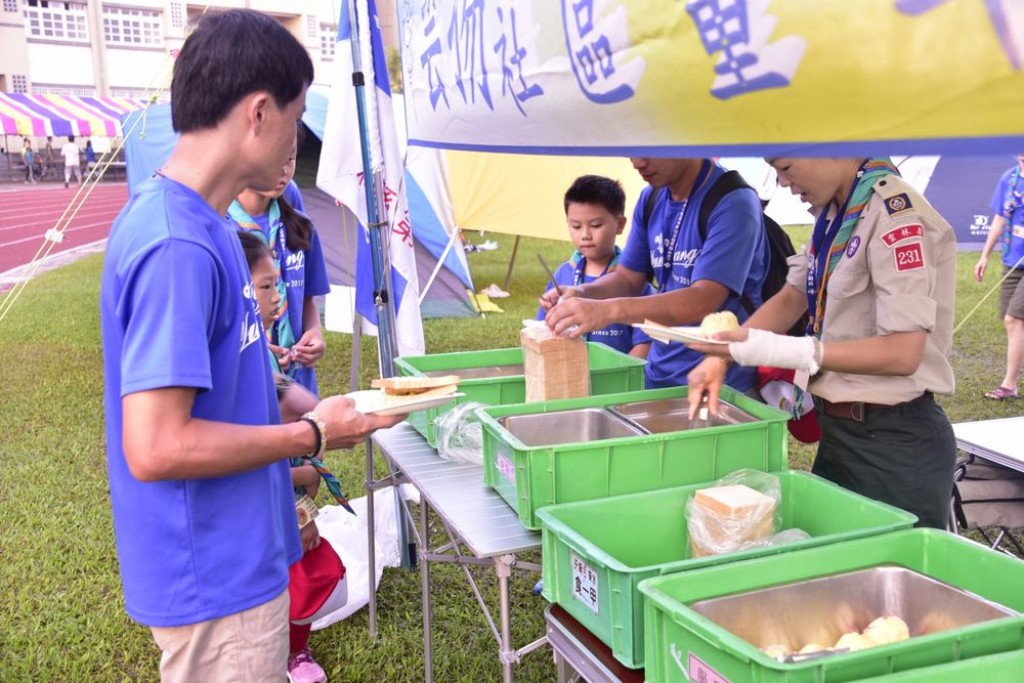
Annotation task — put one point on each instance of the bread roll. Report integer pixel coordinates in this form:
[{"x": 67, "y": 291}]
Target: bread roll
[
  {"x": 775, "y": 651},
  {"x": 884, "y": 630},
  {"x": 854, "y": 641},
  {"x": 811, "y": 648},
  {"x": 723, "y": 321}
]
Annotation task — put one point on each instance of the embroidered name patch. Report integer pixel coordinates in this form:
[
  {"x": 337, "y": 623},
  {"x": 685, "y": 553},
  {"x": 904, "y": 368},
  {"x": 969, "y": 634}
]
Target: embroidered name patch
[
  {"x": 902, "y": 233},
  {"x": 898, "y": 203},
  {"x": 909, "y": 257}
]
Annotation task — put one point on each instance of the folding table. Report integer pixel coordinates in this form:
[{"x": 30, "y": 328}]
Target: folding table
[
  {"x": 1001, "y": 443},
  {"x": 473, "y": 516}
]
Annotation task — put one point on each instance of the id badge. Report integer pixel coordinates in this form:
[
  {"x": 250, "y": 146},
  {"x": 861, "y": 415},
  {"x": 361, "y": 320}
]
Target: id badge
[
  {"x": 801, "y": 378},
  {"x": 305, "y": 510}
]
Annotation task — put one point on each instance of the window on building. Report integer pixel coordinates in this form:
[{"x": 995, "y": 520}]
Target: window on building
[
  {"x": 132, "y": 26},
  {"x": 130, "y": 93},
  {"x": 177, "y": 15},
  {"x": 19, "y": 83},
  {"x": 328, "y": 39},
  {"x": 10, "y": 5},
  {"x": 311, "y": 25},
  {"x": 57, "y": 89},
  {"x": 53, "y": 20}
]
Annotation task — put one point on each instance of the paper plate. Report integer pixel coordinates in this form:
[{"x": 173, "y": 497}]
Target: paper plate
[
  {"x": 373, "y": 401},
  {"x": 686, "y": 335}
]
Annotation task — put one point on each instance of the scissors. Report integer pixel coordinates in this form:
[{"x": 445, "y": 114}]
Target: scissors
[{"x": 551, "y": 276}]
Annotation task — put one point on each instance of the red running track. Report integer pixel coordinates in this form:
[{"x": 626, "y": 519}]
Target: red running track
[{"x": 27, "y": 212}]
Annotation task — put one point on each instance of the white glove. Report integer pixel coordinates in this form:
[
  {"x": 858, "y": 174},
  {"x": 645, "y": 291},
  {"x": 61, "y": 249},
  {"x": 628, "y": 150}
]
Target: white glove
[{"x": 778, "y": 351}]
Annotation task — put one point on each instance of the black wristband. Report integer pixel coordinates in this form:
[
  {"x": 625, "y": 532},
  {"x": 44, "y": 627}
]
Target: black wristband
[{"x": 318, "y": 444}]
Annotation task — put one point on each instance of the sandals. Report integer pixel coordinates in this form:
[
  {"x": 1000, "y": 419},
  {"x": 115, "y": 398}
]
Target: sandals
[{"x": 1001, "y": 393}]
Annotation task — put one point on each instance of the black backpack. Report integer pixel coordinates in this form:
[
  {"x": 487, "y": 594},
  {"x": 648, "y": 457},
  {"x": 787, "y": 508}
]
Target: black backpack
[{"x": 780, "y": 247}]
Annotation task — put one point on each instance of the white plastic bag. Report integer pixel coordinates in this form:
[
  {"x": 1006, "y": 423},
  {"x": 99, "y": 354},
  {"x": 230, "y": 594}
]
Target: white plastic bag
[
  {"x": 460, "y": 435},
  {"x": 740, "y": 511}
]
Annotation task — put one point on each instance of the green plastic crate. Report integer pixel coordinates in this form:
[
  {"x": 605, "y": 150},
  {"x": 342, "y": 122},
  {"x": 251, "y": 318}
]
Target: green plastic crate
[
  {"x": 597, "y": 542},
  {"x": 611, "y": 372},
  {"x": 529, "y": 478},
  {"x": 1007, "y": 667},
  {"x": 677, "y": 638}
]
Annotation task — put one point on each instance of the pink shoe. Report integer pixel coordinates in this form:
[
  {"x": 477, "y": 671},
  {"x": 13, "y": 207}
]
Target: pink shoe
[{"x": 302, "y": 668}]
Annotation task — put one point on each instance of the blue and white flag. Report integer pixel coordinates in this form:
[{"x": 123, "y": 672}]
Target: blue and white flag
[{"x": 340, "y": 173}]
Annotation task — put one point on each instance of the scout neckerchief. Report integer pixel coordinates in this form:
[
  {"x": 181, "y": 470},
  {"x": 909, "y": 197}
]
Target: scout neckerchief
[
  {"x": 281, "y": 333},
  {"x": 669, "y": 247},
  {"x": 579, "y": 263},
  {"x": 333, "y": 485},
  {"x": 831, "y": 237}
]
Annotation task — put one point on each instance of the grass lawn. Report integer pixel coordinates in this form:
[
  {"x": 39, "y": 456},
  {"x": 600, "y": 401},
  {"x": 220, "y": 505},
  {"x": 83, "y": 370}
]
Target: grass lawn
[{"x": 62, "y": 612}]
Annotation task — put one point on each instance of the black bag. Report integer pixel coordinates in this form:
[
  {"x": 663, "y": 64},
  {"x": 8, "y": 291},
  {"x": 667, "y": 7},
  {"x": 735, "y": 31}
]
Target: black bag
[{"x": 780, "y": 247}]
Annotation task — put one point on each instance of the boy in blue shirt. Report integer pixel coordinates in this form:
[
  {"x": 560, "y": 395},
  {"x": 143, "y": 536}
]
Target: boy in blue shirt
[
  {"x": 693, "y": 276},
  {"x": 595, "y": 211},
  {"x": 200, "y": 486}
]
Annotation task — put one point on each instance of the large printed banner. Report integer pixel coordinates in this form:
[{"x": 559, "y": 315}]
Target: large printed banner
[{"x": 715, "y": 77}]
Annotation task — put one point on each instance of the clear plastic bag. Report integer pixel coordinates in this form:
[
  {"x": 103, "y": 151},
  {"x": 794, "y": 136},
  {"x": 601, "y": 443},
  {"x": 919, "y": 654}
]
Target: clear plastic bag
[
  {"x": 741, "y": 511},
  {"x": 460, "y": 434}
]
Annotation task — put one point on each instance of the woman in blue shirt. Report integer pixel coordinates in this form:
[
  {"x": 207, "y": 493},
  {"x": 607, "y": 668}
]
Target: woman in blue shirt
[{"x": 1008, "y": 227}]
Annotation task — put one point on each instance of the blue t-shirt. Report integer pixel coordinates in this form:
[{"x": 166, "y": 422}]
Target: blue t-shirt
[
  {"x": 735, "y": 256},
  {"x": 1008, "y": 203},
  {"x": 618, "y": 336},
  {"x": 304, "y": 274},
  {"x": 177, "y": 309}
]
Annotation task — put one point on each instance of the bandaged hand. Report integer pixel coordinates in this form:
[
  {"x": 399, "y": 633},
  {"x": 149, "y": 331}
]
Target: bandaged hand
[{"x": 778, "y": 351}]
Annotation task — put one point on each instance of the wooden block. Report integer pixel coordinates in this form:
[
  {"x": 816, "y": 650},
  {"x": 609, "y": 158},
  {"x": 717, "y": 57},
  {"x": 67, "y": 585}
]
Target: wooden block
[{"x": 555, "y": 368}]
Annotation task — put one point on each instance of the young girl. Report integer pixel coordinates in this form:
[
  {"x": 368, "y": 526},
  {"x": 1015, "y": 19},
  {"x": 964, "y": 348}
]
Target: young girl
[
  {"x": 316, "y": 583},
  {"x": 295, "y": 334}
]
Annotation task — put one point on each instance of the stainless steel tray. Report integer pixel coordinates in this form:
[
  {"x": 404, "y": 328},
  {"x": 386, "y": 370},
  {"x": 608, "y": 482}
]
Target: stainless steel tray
[
  {"x": 483, "y": 372},
  {"x": 568, "y": 426},
  {"x": 821, "y": 610},
  {"x": 672, "y": 415}
]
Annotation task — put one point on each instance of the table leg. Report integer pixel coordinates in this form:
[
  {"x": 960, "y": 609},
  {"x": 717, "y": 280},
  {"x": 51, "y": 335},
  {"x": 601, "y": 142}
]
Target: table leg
[
  {"x": 428, "y": 654},
  {"x": 371, "y": 549},
  {"x": 503, "y": 566}
]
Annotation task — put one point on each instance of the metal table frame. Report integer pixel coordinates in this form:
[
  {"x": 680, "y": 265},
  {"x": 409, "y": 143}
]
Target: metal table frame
[
  {"x": 580, "y": 655},
  {"x": 473, "y": 517}
]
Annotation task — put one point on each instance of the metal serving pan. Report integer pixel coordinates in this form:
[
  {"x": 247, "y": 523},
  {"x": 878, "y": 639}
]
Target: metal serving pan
[
  {"x": 672, "y": 415},
  {"x": 568, "y": 426},
  {"x": 483, "y": 372},
  {"x": 821, "y": 610}
]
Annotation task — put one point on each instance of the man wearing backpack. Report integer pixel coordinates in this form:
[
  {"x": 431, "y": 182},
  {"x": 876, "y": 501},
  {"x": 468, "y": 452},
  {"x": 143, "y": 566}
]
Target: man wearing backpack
[{"x": 695, "y": 271}]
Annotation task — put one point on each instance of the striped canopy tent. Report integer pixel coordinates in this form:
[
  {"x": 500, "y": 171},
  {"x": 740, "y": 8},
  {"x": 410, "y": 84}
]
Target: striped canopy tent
[{"x": 61, "y": 115}]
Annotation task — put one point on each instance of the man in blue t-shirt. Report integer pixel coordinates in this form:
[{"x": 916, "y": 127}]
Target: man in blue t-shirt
[
  {"x": 1008, "y": 228},
  {"x": 693, "y": 277},
  {"x": 204, "y": 514}
]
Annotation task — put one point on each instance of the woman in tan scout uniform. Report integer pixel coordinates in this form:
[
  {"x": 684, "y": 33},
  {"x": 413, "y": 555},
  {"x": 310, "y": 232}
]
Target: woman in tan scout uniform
[{"x": 878, "y": 282}]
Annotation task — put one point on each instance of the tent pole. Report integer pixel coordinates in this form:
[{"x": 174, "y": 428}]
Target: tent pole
[
  {"x": 357, "y": 351},
  {"x": 438, "y": 266},
  {"x": 511, "y": 263},
  {"x": 386, "y": 341}
]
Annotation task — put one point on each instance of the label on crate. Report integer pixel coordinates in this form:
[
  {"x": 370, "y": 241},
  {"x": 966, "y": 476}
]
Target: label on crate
[
  {"x": 584, "y": 582},
  {"x": 506, "y": 467},
  {"x": 698, "y": 671}
]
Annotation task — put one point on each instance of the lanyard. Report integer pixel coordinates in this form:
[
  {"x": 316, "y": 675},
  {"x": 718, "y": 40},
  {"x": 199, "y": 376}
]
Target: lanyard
[
  {"x": 668, "y": 250},
  {"x": 580, "y": 262}
]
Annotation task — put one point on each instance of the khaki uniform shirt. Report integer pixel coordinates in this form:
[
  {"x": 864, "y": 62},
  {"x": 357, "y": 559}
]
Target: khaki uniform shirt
[{"x": 898, "y": 275}]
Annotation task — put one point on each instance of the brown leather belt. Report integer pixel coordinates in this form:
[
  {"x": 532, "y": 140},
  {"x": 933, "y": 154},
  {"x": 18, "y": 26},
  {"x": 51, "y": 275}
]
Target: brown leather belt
[{"x": 858, "y": 410}]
